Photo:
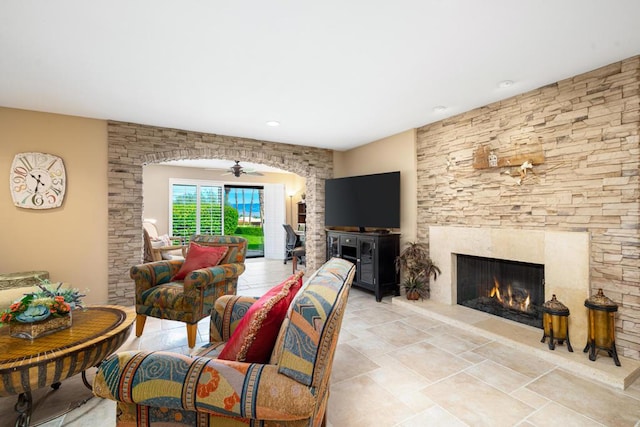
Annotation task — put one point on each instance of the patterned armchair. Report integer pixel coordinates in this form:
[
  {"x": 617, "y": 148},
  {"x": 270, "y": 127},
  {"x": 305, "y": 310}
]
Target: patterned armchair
[
  {"x": 168, "y": 389},
  {"x": 191, "y": 299}
]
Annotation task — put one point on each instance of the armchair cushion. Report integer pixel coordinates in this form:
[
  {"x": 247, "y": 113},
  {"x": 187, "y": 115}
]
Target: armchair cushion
[
  {"x": 255, "y": 336},
  {"x": 200, "y": 257}
]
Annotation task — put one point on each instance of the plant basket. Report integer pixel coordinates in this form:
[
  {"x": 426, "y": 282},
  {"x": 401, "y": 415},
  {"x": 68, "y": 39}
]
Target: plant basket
[
  {"x": 413, "y": 295},
  {"x": 37, "y": 329}
]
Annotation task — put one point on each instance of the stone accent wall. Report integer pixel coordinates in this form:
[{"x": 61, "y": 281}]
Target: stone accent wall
[
  {"x": 131, "y": 146},
  {"x": 588, "y": 129}
]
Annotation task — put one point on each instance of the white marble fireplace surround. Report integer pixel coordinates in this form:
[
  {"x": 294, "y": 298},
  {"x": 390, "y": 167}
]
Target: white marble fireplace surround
[{"x": 565, "y": 256}]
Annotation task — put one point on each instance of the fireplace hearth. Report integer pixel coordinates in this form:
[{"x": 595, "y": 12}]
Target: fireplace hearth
[
  {"x": 509, "y": 289},
  {"x": 565, "y": 256}
]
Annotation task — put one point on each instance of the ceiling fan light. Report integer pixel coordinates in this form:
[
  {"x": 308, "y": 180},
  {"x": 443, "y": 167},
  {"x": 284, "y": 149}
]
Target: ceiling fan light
[{"x": 237, "y": 170}]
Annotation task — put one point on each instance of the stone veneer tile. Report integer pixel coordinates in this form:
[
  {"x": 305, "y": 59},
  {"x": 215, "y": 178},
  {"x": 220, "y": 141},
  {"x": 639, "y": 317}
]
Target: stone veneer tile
[
  {"x": 588, "y": 129},
  {"x": 130, "y": 146}
]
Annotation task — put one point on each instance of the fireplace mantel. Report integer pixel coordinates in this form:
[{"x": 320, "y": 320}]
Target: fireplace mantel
[{"x": 565, "y": 256}]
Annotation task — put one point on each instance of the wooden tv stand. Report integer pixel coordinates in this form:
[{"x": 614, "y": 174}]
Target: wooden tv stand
[{"x": 373, "y": 254}]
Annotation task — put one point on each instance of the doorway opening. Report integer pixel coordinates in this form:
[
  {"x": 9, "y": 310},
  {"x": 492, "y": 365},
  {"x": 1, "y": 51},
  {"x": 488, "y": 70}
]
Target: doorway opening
[{"x": 246, "y": 202}]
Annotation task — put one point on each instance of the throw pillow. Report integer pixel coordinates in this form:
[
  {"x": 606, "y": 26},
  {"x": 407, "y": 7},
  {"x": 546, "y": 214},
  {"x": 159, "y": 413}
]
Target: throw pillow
[
  {"x": 256, "y": 334},
  {"x": 157, "y": 243},
  {"x": 165, "y": 239},
  {"x": 200, "y": 257}
]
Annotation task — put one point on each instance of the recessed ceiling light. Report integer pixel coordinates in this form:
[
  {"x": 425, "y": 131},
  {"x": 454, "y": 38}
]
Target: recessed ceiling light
[
  {"x": 439, "y": 109},
  {"x": 273, "y": 123},
  {"x": 505, "y": 83}
]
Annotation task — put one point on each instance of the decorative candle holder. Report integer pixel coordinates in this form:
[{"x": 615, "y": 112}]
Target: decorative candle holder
[
  {"x": 602, "y": 326},
  {"x": 555, "y": 320}
]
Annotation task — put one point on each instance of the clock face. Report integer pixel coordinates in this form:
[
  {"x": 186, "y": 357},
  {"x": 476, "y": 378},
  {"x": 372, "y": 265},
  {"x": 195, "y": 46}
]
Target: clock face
[{"x": 37, "y": 180}]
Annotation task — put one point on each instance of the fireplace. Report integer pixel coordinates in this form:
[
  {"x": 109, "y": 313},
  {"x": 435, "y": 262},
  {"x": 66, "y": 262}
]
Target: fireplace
[
  {"x": 565, "y": 256},
  {"x": 510, "y": 289}
]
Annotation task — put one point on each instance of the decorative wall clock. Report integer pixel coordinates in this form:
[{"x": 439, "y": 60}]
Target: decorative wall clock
[{"x": 37, "y": 180}]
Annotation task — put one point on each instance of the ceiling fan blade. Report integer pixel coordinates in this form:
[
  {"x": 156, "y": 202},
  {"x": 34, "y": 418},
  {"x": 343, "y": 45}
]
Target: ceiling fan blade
[{"x": 253, "y": 173}]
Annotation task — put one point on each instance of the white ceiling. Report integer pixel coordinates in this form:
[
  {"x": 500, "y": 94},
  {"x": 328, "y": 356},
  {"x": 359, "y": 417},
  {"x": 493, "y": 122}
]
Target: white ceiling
[{"x": 335, "y": 73}]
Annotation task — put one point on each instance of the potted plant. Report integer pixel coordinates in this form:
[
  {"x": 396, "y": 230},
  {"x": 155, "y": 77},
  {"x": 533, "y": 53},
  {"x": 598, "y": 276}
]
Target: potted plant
[
  {"x": 41, "y": 312},
  {"x": 417, "y": 268}
]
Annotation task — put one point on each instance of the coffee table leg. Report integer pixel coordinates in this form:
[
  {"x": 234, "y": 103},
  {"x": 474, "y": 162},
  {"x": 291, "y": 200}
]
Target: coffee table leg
[
  {"x": 23, "y": 408},
  {"x": 84, "y": 380},
  {"x": 87, "y": 384}
]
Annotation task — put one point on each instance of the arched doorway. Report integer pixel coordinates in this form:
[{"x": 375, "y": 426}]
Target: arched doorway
[
  {"x": 131, "y": 146},
  {"x": 201, "y": 197}
]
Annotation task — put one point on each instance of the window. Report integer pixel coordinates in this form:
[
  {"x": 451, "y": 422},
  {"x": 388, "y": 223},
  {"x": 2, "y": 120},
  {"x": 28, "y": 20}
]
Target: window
[
  {"x": 196, "y": 208},
  {"x": 248, "y": 201}
]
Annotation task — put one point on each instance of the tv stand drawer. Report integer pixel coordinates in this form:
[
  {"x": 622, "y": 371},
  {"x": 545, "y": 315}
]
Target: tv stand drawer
[{"x": 348, "y": 241}]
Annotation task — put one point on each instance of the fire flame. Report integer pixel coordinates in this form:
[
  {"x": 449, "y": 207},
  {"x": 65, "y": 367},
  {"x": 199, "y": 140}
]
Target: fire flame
[{"x": 510, "y": 300}]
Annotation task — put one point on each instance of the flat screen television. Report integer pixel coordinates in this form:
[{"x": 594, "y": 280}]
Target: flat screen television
[{"x": 371, "y": 201}]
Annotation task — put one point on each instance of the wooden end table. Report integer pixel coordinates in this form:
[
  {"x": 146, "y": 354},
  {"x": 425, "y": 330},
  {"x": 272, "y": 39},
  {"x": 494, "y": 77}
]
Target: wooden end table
[{"x": 26, "y": 365}]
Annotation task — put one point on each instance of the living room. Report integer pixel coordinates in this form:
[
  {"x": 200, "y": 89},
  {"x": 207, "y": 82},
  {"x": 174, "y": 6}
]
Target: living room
[
  {"x": 583, "y": 130},
  {"x": 570, "y": 191}
]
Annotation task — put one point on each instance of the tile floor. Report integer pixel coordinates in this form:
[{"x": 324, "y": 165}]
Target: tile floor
[{"x": 396, "y": 367}]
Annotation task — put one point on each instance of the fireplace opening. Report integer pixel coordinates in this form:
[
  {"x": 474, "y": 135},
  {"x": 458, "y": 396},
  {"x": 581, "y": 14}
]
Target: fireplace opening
[{"x": 510, "y": 289}]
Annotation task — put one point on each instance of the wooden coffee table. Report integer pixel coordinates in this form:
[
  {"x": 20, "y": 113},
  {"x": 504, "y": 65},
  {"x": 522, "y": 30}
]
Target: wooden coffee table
[{"x": 26, "y": 365}]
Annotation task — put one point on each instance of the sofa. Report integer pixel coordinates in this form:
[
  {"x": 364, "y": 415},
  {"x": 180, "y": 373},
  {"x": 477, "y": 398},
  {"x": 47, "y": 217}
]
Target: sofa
[{"x": 290, "y": 389}]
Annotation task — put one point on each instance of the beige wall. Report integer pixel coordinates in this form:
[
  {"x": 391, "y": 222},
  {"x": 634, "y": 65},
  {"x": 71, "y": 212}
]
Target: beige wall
[
  {"x": 70, "y": 241},
  {"x": 155, "y": 188},
  {"x": 394, "y": 153}
]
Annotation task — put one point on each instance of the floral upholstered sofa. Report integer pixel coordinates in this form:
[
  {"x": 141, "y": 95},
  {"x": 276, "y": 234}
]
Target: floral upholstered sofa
[{"x": 290, "y": 389}]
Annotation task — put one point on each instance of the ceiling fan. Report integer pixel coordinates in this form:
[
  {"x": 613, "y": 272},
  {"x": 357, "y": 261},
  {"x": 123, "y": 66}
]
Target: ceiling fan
[{"x": 237, "y": 170}]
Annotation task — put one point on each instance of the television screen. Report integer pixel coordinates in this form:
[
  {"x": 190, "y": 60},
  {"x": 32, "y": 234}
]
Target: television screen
[{"x": 363, "y": 201}]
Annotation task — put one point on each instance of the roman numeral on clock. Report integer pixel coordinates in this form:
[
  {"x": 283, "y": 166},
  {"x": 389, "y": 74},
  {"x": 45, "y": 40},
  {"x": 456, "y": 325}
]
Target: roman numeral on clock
[{"x": 26, "y": 163}]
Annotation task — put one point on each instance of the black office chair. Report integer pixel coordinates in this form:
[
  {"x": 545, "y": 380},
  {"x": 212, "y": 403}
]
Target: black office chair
[{"x": 294, "y": 248}]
